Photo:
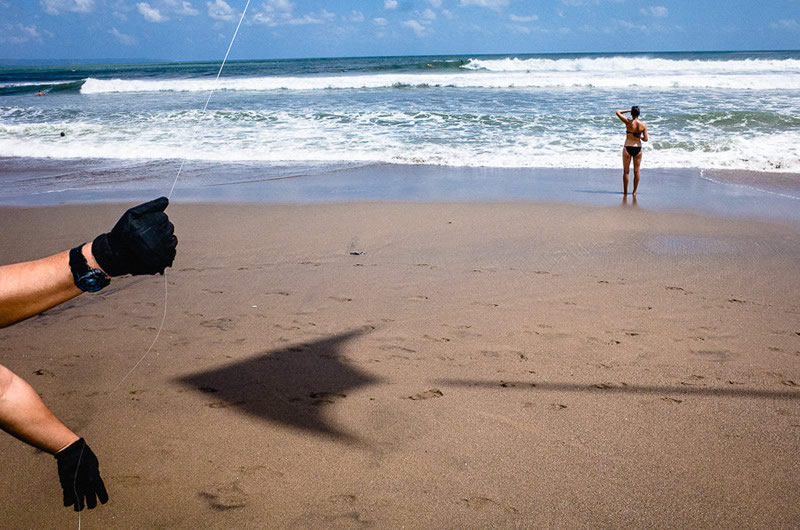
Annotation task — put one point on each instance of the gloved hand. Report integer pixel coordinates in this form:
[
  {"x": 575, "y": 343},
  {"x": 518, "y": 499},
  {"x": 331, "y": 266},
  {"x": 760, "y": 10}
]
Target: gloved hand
[
  {"x": 142, "y": 241},
  {"x": 79, "y": 474}
]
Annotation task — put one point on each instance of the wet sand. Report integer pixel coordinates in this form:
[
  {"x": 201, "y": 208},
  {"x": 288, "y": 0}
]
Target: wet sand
[{"x": 489, "y": 364}]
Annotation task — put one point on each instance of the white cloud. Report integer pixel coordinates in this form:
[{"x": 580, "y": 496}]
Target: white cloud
[
  {"x": 522, "y": 19},
  {"x": 356, "y": 16},
  {"x": 418, "y": 27},
  {"x": 428, "y": 14},
  {"x": 491, "y": 4},
  {"x": 436, "y": 4},
  {"x": 56, "y": 7},
  {"x": 627, "y": 25},
  {"x": 380, "y": 21},
  {"x": 127, "y": 40},
  {"x": 280, "y": 13},
  {"x": 390, "y": 4},
  {"x": 19, "y": 34},
  {"x": 182, "y": 7},
  {"x": 220, "y": 10},
  {"x": 786, "y": 23},
  {"x": 278, "y": 5},
  {"x": 150, "y": 13},
  {"x": 656, "y": 11}
]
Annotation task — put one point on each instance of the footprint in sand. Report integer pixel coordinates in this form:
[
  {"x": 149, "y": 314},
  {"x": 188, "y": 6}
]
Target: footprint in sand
[
  {"x": 226, "y": 496},
  {"x": 434, "y": 339},
  {"x": 325, "y": 398},
  {"x": 485, "y": 503},
  {"x": 394, "y": 347},
  {"x": 340, "y": 299},
  {"x": 428, "y": 394},
  {"x": 681, "y": 289},
  {"x": 717, "y": 356},
  {"x": 607, "y": 385},
  {"x": 44, "y": 371},
  {"x": 222, "y": 324},
  {"x": 342, "y": 499}
]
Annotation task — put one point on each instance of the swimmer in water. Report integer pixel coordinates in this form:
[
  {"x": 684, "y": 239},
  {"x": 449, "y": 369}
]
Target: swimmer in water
[{"x": 635, "y": 133}]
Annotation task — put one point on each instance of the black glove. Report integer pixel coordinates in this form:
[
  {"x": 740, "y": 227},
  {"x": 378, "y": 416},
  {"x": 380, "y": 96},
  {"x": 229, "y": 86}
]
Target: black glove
[
  {"x": 142, "y": 241},
  {"x": 80, "y": 476}
]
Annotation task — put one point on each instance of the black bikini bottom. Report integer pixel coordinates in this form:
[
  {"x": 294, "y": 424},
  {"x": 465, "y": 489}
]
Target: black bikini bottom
[{"x": 633, "y": 150}]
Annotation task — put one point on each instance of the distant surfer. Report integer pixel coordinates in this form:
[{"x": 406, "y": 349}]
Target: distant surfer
[
  {"x": 635, "y": 133},
  {"x": 40, "y": 93}
]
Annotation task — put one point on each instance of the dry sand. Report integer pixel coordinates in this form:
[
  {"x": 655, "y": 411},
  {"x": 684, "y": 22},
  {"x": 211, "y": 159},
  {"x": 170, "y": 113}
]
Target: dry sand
[{"x": 482, "y": 364}]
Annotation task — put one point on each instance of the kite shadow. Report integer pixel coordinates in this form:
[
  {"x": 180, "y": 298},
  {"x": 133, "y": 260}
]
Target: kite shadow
[
  {"x": 293, "y": 387},
  {"x": 623, "y": 388}
]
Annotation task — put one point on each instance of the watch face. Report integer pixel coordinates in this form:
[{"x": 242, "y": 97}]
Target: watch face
[{"x": 92, "y": 281}]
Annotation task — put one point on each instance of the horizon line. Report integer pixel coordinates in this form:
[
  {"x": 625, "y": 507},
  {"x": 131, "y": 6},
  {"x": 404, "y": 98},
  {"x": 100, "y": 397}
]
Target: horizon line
[{"x": 144, "y": 60}]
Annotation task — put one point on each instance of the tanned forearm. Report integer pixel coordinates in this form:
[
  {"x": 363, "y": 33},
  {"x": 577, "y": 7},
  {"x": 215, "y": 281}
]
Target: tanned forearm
[
  {"x": 24, "y": 415},
  {"x": 29, "y": 288}
]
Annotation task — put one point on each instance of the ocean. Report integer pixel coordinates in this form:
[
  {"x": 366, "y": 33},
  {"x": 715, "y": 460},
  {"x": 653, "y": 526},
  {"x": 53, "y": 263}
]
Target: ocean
[{"x": 137, "y": 122}]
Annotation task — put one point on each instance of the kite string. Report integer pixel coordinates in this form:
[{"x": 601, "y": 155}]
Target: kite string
[
  {"x": 175, "y": 181},
  {"x": 213, "y": 88},
  {"x": 169, "y": 196}
]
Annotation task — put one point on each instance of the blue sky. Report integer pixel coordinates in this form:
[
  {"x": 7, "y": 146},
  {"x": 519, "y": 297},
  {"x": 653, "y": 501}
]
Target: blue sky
[{"x": 183, "y": 30}]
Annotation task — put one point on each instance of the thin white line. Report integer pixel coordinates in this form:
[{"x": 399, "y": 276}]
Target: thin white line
[
  {"x": 161, "y": 327},
  {"x": 180, "y": 168},
  {"x": 213, "y": 89},
  {"x": 722, "y": 183}
]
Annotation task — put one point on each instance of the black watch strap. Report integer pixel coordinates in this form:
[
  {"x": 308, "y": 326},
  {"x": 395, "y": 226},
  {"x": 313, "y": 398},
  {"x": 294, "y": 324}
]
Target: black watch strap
[{"x": 86, "y": 278}]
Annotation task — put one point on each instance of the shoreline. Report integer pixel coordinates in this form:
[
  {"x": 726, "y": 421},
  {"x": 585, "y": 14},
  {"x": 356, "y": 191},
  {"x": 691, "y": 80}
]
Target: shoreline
[
  {"x": 728, "y": 193},
  {"x": 487, "y": 364}
]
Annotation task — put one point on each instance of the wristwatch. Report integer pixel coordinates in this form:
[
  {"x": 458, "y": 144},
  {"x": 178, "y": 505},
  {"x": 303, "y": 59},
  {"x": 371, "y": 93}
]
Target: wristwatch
[{"x": 86, "y": 278}]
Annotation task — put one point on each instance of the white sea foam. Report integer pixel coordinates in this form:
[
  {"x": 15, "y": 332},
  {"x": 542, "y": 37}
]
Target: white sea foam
[
  {"x": 627, "y": 65},
  {"x": 283, "y": 137},
  {"x": 607, "y": 72}
]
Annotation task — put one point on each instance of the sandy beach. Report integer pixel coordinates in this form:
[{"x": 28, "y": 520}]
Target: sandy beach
[{"x": 422, "y": 364}]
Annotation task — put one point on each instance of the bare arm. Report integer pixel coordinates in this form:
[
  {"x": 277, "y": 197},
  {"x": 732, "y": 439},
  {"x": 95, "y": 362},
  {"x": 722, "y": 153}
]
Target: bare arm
[
  {"x": 24, "y": 416},
  {"x": 29, "y": 288},
  {"x": 644, "y": 134},
  {"x": 623, "y": 118}
]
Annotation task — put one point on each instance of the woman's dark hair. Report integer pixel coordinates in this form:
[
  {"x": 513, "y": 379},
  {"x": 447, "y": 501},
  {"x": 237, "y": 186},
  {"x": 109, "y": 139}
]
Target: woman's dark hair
[{"x": 635, "y": 111}]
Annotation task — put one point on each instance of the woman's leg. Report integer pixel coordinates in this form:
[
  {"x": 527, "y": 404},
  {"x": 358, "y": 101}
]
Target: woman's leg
[
  {"x": 626, "y": 167},
  {"x": 637, "y": 161}
]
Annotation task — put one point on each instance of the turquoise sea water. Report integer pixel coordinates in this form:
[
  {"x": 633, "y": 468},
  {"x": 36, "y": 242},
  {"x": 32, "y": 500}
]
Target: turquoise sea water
[{"x": 711, "y": 111}]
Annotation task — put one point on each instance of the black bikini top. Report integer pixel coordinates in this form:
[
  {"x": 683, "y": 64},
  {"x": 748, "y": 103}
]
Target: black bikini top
[{"x": 635, "y": 134}]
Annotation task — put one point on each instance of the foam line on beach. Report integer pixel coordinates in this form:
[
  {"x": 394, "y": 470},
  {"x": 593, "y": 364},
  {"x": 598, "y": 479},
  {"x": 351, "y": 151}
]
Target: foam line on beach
[{"x": 748, "y": 187}]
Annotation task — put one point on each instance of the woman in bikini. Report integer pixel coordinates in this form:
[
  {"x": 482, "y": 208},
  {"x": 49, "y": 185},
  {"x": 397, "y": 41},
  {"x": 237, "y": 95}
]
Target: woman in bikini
[{"x": 635, "y": 132}]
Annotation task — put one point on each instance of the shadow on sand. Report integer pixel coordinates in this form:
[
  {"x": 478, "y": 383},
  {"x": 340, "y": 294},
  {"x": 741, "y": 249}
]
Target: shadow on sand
[
  {"x": 292, "y": 387},
  {"x": 622, "y": 388}
]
